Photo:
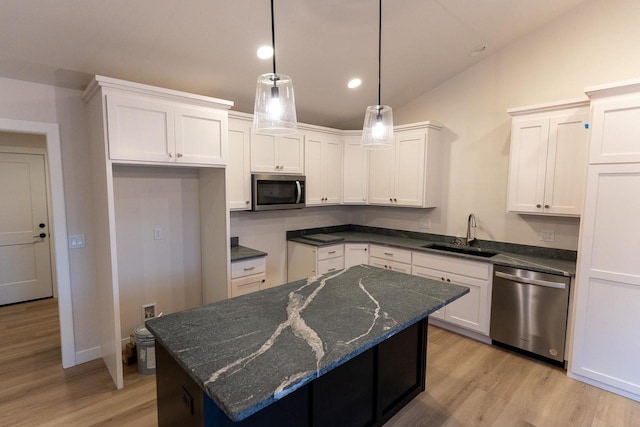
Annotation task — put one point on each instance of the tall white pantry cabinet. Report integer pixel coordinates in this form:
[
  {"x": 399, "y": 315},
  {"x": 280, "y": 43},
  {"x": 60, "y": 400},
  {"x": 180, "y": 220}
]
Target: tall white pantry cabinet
[
  {"x": 136, "y": 124},
  {"x": 606, "y": 341}
]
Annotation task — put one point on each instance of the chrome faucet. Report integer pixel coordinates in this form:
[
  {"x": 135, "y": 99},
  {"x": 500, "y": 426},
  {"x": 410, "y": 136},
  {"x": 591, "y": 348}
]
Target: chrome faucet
[{"x": 471, "y": 222}]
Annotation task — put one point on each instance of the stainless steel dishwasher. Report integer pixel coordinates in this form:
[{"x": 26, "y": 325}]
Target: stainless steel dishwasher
[{"x": 529, "y": 311}]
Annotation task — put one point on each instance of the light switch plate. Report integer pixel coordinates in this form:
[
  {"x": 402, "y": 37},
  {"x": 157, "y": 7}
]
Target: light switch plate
[
  {"x": 76, "y": 241},
  {"x": 157, "y": 233}
]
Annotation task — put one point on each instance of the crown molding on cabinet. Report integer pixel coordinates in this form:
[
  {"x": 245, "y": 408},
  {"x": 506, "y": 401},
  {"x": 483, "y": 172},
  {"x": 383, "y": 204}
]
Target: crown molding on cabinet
[{"x": 549, "y": 106}]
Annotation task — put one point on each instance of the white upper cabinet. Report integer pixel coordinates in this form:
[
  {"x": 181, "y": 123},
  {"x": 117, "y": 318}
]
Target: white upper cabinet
[
  {"x": 323, "y": 169},
  {"x": 410, "y": 173},
  {"x": 149, "y": 129},
  {"x": 355, "y": 171},
  {"x": 615, "y": 128},
  {"x": 277, "y": 154},
  {"x": 238, "y": 169},
  {"x": 548, "y": 159}
]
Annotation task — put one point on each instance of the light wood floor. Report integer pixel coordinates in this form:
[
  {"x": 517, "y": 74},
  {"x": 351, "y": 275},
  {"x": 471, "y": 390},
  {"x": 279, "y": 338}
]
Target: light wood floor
[{"x": 468, "y": 384}]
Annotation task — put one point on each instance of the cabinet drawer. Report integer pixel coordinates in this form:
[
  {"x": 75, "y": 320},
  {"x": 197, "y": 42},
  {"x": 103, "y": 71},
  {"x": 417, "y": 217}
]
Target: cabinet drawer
[
  {"x": 329, "y": 265},
  {"x": 332, "y": 251},
  {"x": 392, "y": 254},
  {"x": 246, "y": 285},
  {"x": 247, "y": 267},
  {"x": 390, "y": 265},
  {"x": 477, "y": 269}
]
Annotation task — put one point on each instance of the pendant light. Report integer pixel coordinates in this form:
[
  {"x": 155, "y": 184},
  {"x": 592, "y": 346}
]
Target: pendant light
[
  {"x": 377, "y": 133},
  {"x": 275, "y": 108}
]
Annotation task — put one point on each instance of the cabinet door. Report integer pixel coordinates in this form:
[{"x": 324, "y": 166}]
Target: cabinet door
[
  {"x": 472, "y": 310},
  {"x": 527, "y": 164},
  {"x": 356, "y": 254},
  {"x": 409, "y": 169},
  {"x": 290, "y": 154},
  {"x": 246, "y": 285},
  {"x": 429, "y": 274},
  {"x": 381, "y": 174},
  {"x": 263, "y": 153},
  {"x": 301, "y": 261},
  {"x": 615, "y": 130},
  {"x": 238, "y": 174},
  {"x": 201, "y": 136},
  {"x": 313, "y": 170},
  {"x": 606, "y": 341},
  {"x": 140, "y": 129},
  {"x": 355, "y": 172},
  {"x": 566, "y": 165},
  {"x": 332, "y": 170}
]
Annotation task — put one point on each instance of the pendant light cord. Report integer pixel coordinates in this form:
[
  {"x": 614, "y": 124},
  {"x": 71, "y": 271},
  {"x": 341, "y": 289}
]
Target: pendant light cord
[
  {"x": 379, "y": 49},
  {"x": 273, "y": 38}
]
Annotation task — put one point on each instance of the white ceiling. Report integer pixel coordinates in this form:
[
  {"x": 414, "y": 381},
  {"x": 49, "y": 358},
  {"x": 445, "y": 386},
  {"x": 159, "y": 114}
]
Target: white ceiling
[{"x": 209, "y": 47}]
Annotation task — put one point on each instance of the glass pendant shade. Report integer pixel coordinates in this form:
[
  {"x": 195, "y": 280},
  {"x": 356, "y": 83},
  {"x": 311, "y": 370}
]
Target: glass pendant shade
[
  {"x": 275, "y": 108},
  {"x": 377, "y": 132}
]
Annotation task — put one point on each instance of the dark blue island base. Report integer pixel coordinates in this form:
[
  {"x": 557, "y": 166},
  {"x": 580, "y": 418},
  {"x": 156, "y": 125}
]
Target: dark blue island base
[{"x": 365, "y": 391}]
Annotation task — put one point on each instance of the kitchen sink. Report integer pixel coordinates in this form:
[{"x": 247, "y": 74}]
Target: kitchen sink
[{"x": 467, "y": 250}]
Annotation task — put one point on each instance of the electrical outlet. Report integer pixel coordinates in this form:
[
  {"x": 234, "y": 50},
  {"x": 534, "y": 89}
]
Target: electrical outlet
[
  {"x": 157, "y": 233},
  {"x": 424, "y": 223},
  {"x": 148, "y": 311},
  {"x": 547, "y": 236},
  {"x": 76, "y": 241}
]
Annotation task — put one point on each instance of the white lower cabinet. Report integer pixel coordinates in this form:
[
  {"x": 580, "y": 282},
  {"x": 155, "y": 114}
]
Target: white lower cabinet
[
  {"x": 248, "y": 276},
  {"x": 473, "y": 310},
  {"x": 307, "y": 260},
  {"x": 356, "y": 254},
  {"x": 390, "y": 258}
]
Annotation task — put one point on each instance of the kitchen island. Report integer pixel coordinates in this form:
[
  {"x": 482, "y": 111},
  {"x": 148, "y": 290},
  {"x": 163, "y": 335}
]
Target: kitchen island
[{"x": 346, "y": 348}]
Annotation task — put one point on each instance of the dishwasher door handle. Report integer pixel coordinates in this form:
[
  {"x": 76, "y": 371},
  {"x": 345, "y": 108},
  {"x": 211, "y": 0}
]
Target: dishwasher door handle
[{"x": 528, "y": 281}]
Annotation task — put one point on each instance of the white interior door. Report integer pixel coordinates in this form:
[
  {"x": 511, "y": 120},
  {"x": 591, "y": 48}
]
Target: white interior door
[{"x": 25, "y": 263}]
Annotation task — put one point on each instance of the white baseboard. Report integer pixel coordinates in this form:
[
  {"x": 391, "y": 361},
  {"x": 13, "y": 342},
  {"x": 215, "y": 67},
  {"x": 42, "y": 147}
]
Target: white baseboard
[
  {"x": 600, "y": 385},
  {"x": 87, "y": 355}
]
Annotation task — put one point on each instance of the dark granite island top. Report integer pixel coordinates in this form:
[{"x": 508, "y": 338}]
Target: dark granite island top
[{"x": 250, "y": 351}]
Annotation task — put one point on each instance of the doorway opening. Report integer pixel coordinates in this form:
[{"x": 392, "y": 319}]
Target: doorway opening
[{"x": 57, "y": 227}]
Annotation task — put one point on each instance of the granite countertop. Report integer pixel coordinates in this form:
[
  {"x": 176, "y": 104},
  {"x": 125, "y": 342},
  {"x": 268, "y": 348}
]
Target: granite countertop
[
  {"x": 531, "y": 261},
  {"x": 250, "y": 351},
  {"x": 240, "y": 253}
]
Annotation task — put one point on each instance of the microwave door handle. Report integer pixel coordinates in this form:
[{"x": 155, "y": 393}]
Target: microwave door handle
[{"x": 299, "y": 192}]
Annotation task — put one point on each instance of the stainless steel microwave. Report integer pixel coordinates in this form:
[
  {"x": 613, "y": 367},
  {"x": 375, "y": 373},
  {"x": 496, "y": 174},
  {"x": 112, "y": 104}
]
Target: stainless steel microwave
[{"x": 273, "y": 192}]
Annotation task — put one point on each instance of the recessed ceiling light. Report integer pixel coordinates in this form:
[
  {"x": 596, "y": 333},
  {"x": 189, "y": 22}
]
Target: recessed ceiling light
[
  {"x": 354, "y": 83},
  {"x": 265, "y": 52},
  {"x": 478, "y": 50}
]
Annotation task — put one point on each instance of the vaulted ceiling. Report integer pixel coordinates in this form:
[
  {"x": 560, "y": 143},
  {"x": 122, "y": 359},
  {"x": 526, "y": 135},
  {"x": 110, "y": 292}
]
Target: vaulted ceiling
[{"x": 209, "y": 46}]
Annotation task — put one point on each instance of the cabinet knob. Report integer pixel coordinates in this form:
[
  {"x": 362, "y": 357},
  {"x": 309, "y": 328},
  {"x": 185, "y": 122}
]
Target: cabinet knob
[
  {"x": 448, "y": 280},
  {"x": 442, "y": 278},
  {"x": 390, "y": 199},
  {"x": 170, "y": 154},
  {"x": 364, "y": 199},
  {"x": 179, "y": 155},
  {"x": 395, "y": 200},
  {"x": 538, "y": 206},
  {"x": 247, "y": 202},
  {"x": 547, "y": 206}
]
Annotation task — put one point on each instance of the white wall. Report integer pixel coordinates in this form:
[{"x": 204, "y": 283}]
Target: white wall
[
  {"x": 165, "y": 271},
  {"x": 41, "y": 103},
  {"x": 266, "y": 231},
  {"x": 592, "y": 44}
]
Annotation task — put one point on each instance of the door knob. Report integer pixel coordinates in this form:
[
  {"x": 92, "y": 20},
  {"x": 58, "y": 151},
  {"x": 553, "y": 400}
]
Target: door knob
[{"x": 41, "y": 235}]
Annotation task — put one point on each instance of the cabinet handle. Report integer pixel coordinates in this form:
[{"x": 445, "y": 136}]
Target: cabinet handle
[
  {"x": 170, "y": 154},
  {"x": 249, "y": 268},
  {"x": 331, "y": 269},
  {"x": 388, "y": 254},
  {"x": 331, "y": 252},
  {"x": 547, "y": 206},
  {"x": 538, "y": 206},
  {"x": 179, "y": 155}
]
